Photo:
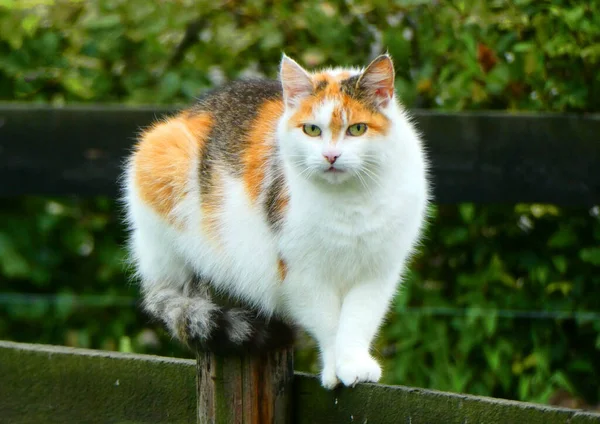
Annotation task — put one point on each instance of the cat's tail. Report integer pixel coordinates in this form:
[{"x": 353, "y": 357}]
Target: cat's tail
[{"x": 203, "y": 325}]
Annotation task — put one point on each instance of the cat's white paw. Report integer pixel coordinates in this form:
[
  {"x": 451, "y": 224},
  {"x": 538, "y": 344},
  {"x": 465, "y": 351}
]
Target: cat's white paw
[
  {"x": 329, "y": 379},
  {"x": 357, "y": 369}
]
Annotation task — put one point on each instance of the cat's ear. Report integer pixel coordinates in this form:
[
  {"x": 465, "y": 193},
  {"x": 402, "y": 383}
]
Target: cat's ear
[
  {"x": 377, "y": 80},
  {"x": 296, "y": 82}
]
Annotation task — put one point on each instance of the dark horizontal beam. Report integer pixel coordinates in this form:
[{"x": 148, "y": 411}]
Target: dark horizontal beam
[{"x": 475, "y": 157}]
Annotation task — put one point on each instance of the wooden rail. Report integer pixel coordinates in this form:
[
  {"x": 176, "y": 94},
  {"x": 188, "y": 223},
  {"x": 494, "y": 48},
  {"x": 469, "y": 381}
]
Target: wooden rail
[
  {"x": 50, "y": 384},
  {"x": 476, "y": 157}
]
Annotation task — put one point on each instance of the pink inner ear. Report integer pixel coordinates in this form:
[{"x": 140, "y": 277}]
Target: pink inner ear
[
  {"x": 295, "y": 91},
  {"x": 383, "y": 92},
  {"x": 378, "y": 80},
  {"x": 295, "y": 80}
]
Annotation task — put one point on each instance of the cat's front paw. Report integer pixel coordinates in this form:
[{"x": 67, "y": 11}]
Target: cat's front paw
[
  {"x": 357, "y": 369},
  {"x": 329, "y": 379}
]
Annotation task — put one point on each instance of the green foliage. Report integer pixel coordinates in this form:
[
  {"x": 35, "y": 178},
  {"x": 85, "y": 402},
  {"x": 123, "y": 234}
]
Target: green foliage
[
  {"x": 540, "y": 55},
  {"x": 503, "y": 262},
  {"x": 490, "y": 262}
]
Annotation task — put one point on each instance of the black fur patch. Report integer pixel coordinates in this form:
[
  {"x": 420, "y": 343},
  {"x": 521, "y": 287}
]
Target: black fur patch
[
  {"x": 349, "y": 86},
  {"x": 266, "y": 335},
  {"x": 233, "y": 107},
  {"x": 275, "y": 195},
  {"x": 321, "y": 85}
]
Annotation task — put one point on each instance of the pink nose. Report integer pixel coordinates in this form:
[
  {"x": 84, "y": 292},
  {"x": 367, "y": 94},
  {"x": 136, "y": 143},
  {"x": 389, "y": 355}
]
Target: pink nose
[{"x": 331, "y": 157}]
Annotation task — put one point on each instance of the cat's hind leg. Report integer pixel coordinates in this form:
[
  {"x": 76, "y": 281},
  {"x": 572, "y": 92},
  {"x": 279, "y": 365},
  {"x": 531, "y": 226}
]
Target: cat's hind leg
[{"x": 184, "y": 303}]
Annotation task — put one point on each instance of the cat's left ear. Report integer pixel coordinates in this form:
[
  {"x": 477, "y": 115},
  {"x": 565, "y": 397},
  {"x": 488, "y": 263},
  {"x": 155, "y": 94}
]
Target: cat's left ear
[
  {"x": 377, "y": 80},
  {"x": 296, "y": 82}
]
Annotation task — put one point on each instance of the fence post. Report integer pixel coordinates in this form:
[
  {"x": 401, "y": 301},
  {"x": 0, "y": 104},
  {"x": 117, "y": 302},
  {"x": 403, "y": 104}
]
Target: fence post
[{"x": 245, "y": 389}]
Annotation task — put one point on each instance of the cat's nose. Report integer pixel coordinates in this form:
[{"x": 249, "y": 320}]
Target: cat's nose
[{"x": 331, "y": 157}]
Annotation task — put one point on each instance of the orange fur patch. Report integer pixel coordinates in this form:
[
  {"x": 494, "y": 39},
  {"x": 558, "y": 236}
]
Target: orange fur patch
[
  {"x": 304, "y": 113},
  {"x": 356, "y": 112},
  {"x": 282, "y": 269},
  {"x": 258, "y": 146},
  {"x": 164, "y": 158}
]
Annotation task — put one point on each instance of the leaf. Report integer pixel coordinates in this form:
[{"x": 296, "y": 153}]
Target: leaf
[
  {"x": 523, "y": 47},
  {"x": 65, "y": 305},
  {"x": 524, "y": 387},
  {"x": 590, "y": 255},
  {"x": 564, "y": 237},
  {"x": 78, "y": 85},
  {"x": 125, "y": 345},
  {"x": 169, "y": 85},
  {"x": 564, "y": 287},
  {"x": 12, "y": 263},
  {"x": 591, "y": 52},
  {"x": 467, "y": 212},
  {"x": 30, "y": 24},
  {"x": 102, "y": 22},
  {"x": 560, "y": 263},
  {"x": 455, "y": 236}
]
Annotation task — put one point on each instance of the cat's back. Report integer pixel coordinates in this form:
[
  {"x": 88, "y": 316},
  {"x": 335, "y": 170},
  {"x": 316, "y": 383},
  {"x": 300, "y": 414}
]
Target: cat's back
[
  {"x": 244, "y": 115},
  {"x": 202, "y": 181},
  {"x": 239, "y": 97},
  {"x": 228, "y": 131}
]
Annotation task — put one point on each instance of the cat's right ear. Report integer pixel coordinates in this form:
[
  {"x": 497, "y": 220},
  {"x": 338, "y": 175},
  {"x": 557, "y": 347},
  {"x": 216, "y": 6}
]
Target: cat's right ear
[{"x": 296, "y": 82}]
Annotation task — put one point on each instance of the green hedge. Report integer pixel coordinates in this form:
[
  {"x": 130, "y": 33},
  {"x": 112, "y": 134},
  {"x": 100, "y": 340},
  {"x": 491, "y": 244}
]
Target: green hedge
[{"x": 459, "y": 324}]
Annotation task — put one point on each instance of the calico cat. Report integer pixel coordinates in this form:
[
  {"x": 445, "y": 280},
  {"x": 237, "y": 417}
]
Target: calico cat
[{"x": 301, "y": 198}]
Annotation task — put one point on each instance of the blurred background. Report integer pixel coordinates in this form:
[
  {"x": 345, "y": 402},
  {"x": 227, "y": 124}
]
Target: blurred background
[{"x": 502, "y": 300}]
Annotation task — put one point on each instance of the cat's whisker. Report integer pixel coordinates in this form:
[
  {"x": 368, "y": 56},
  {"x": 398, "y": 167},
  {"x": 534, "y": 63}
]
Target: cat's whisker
[
  {"x": 307, "y": 172},
  {"x": 374, "y": 177},
  {"x": 372, "y": 174},
  {"x": 364, "y": 183}
]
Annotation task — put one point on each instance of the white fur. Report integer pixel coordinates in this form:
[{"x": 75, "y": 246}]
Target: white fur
[{"x": 345, "y": 238}]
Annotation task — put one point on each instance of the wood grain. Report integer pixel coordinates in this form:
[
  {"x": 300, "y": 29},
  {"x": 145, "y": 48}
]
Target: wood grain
[{"x": 245, "y": 390}]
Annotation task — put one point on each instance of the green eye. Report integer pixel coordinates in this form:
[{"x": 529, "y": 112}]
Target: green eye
[
  {"x": 311, "y": 130},
  {"x": 357, "y": 129}
]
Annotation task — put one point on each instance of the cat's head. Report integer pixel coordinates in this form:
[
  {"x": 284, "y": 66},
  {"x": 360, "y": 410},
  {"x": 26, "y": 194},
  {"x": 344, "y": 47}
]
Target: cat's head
[{"x": 336, "y": 124}]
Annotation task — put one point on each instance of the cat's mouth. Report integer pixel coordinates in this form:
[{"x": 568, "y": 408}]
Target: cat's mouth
[{"x": 333, "y": 169}]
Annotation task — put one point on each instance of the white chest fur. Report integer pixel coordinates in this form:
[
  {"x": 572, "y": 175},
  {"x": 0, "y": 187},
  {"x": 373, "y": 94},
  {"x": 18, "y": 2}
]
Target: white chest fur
[{"x": 347, "y": 238}]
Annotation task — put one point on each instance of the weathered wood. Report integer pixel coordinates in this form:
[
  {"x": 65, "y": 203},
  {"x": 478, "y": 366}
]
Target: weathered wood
[
  {"x": 245, "y": 390},
  {"x": 374, "y": 403},
  {"x": 476, "y": 157},
  {"x": 51, "y": 384},
  {"x": 55, "y": 384}
]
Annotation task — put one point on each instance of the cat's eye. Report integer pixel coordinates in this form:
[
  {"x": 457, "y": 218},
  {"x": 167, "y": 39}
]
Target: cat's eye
[
  {"x": 357, "y": 129},
  {"x": 311, "y": 130}
]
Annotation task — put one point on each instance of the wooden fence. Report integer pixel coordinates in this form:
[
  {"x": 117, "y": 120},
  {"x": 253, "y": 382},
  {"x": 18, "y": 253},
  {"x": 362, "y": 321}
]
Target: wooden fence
[
  {"x": 51, "y": 384},
  {"x": 476, "y": 157}
]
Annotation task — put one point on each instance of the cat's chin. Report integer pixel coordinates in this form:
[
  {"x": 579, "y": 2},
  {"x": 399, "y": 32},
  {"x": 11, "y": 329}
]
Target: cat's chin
[{"x": 335, "y": 176}]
